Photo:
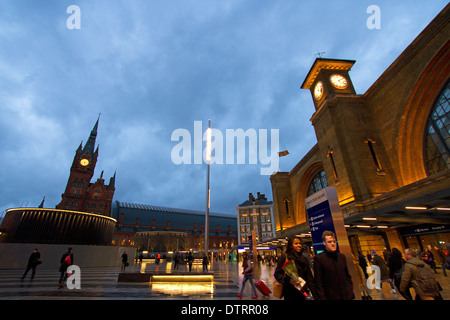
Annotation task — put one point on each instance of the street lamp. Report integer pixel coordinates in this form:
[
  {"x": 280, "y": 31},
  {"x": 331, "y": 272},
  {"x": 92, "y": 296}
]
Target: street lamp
[{"x": 208, "y": 160}]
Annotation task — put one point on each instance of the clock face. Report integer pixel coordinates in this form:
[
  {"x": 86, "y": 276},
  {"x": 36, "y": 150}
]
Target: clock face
[
  {"x": 84, "y": 162},
  {"x": 338, "y": 81},
  {"x": 318, "y": 90}
]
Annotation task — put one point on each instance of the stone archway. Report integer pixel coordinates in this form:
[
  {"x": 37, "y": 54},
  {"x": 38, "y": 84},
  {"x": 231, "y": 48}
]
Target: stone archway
[
  {"x": 302, "y": 190},
  {"x": 413, "y": 122}
]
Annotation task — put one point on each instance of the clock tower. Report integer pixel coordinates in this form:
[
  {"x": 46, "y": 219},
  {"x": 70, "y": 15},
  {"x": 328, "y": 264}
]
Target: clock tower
[
  {"x": 80, "y": 193},
  {"x": 327, "y": 78}
]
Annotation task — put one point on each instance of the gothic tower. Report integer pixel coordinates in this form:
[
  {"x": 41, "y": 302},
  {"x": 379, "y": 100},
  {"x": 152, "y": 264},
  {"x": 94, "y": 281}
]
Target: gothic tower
[{"x": 80, "y": 193}]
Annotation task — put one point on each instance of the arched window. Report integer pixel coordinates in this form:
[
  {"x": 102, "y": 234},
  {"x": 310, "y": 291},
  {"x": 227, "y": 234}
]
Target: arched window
[
  {"x": 437, "y": 134},
  {"x": 318, "y": 183}
]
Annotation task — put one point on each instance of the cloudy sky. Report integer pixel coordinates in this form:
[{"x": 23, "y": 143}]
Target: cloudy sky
[{"x": 151, "y": 67}]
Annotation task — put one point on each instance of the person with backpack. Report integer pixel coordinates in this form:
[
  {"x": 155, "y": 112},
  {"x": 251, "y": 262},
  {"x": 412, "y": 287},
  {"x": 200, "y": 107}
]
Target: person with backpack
[
  {"x": 420, "y": 276},
  {"x": 66, "y": 261}
]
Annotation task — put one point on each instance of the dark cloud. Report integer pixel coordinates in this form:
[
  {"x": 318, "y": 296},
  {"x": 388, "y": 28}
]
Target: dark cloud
[{"x": 151, "y": 67}]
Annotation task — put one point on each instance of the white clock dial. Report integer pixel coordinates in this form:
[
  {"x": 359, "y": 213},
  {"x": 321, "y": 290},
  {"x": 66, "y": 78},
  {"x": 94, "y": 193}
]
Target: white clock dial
[
  {"x": 318, "y": 90},
  {"x": 338, "y": 81}
]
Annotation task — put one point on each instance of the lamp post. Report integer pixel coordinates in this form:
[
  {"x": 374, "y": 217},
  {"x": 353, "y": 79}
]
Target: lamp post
[{"x": 208, "y": 160}]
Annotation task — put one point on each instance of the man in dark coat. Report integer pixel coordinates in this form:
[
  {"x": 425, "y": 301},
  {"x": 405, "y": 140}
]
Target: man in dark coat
[
  {"x": 33, "y": 261},
  {"x": 333, "y": 281}
]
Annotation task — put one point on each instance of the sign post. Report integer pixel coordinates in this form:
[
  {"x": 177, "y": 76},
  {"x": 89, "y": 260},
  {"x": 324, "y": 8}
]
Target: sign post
[{"x": 324, "y": 214}]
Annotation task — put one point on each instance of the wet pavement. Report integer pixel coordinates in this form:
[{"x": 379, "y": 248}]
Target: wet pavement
[{"x": 102, "y": 283}]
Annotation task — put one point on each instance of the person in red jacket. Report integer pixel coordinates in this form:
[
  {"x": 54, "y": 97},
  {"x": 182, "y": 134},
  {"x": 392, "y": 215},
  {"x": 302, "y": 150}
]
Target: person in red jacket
[
  {"x": 248, "y": 276},
  {"x": 66, "y": 261}
]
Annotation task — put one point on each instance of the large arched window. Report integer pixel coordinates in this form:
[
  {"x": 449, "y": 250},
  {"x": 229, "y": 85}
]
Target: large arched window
[
  {"x": 437, "y": 134},
  {"x": 318, "y": 183}
]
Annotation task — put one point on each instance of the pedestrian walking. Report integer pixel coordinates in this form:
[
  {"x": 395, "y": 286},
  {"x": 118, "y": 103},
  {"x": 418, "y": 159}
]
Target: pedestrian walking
[
  {"x": 65, "y": 261},
  {"x": 248, "y": 276},
  {"x": 33, "y": 261},
  {"x": 428, "y": 257},
  {"x": 190, "y": 259},
  {"x": 332, "y": 278},
  {"x": 384, "y": 271},
  {"x": 395, "y": 265},
  {"x": 124, "y": 261},
  {"x": 442, "y": 257},
  {"x": 362, "y": 279},
  {"x": 363, "y": 263},
  {"x": 205, "y": 262},
  {"x": 447, "y": 253},
  {"x": 176, "y": 260},
  {"x": 420, "y": 276},
  {"x": 292, "y": 265},
  {"x": 386, "y": 255}
]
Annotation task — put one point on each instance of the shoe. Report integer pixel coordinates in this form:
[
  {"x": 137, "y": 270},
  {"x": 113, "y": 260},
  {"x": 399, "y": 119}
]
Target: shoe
[
  {"x": 255, "y": 297},
  {"x": 239, "y": 296}
]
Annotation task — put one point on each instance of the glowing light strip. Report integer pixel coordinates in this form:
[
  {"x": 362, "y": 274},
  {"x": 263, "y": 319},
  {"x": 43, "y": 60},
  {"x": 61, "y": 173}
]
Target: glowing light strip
[
  {"x": 170, "y": 278},
  {"x": 61, "y": 210}
]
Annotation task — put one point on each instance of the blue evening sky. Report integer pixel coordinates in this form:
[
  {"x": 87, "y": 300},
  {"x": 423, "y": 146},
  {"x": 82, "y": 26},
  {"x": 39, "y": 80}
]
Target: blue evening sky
[{"x": 151, "y": 67}]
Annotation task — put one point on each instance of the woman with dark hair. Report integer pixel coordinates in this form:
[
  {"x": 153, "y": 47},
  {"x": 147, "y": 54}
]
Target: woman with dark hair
[{"x": 294, "y": 255}]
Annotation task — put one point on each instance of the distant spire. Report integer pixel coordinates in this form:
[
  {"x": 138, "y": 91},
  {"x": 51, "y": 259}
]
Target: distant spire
[
  {"x": 112, "y": 181},
  {"x": 42, "y": 203},
  {"x": 90, "y": 144}
]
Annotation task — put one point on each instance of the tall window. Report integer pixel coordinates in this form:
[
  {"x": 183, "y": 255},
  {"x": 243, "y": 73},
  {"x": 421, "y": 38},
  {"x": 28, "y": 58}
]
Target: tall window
[
  {"x": 318, "y": 183},
  {"x": 437, "y": 134}
]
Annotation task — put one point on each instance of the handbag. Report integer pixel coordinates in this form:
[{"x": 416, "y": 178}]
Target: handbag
[
  {"x": 364, "y": 293},
  {"x": 277, "y": 289}
]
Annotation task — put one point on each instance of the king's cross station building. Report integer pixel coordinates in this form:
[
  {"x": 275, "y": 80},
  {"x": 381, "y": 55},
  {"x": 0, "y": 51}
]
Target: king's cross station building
[{"x": 386, "y": 151}]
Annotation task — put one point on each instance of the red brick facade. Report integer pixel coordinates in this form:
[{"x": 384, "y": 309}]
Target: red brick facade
[{"x": 80, "y": 193}]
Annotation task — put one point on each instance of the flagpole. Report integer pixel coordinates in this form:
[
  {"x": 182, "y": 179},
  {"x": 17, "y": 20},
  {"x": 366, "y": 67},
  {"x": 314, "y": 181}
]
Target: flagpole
[{"x": 208, "y": 160}]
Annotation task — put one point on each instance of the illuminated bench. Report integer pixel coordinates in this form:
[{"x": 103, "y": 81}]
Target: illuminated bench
[{"x": 166, "y": 277}]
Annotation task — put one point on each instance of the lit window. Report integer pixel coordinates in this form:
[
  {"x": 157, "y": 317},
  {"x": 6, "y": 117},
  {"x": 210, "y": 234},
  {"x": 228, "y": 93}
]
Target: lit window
[
  {"x": 437, "y": 134},
  {"x": 318, "y": 183}
]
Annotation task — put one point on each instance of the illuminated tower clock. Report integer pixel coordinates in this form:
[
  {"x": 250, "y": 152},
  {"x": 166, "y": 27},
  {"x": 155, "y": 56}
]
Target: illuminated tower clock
[
  {"x": 80, "y": 194},
  {"x": 328, "y": 78}
]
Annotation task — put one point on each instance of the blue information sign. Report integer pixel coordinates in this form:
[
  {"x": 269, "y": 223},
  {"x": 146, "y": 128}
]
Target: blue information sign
[
  {"x": 324, "y": 214},
  {"x": 320, "y": 218}
]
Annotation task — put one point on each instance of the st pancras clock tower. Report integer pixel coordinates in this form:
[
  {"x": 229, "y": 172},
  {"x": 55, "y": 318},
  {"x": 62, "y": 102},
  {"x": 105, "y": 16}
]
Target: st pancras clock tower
[{"x": 80, "y": 193}]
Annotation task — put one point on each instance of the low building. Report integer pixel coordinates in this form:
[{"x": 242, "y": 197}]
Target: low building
[
  {"x": 135, "y": 218},
  {"x": 255, "y": 214}
]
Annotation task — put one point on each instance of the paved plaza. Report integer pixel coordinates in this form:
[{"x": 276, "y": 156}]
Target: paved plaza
[{"x": 102, "y": 283}]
